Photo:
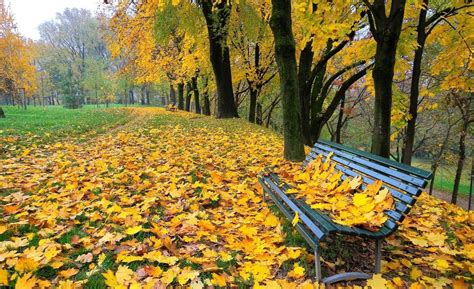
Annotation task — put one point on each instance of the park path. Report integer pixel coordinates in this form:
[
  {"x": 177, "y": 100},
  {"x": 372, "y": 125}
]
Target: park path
[{"x": 462, "y": 201}]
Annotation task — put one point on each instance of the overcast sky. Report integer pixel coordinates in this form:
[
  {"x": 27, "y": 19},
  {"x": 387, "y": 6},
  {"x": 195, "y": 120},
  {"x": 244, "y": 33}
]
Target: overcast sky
[{"x": 31, "y": 13}]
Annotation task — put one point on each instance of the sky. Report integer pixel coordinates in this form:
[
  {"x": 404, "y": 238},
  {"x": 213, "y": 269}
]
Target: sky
[{"x": 31, "y": 13}]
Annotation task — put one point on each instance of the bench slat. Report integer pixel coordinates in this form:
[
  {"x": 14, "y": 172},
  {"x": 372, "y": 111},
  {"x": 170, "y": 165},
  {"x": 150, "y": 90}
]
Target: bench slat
[
  {"x": 420, "y": 182},
  {"x": 281, "y": 194},
  {"x": 301, "y": 229},
  {"x": 381, "y": 160},
  {"x": 327, "y": 226}
]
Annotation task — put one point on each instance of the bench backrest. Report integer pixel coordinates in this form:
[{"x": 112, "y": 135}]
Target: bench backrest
[{"x": 404, "y": 182}]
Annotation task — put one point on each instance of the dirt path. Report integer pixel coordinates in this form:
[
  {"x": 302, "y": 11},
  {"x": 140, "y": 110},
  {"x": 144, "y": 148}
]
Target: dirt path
[{"x": 462, "y": 202}]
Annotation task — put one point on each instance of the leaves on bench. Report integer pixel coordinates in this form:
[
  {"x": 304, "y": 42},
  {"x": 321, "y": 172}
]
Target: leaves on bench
[{"x": 321, "y": 187}]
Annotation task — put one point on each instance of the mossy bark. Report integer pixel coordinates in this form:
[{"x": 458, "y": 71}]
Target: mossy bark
[
  {"x": 386, "y": 31},
  {"x": 196, "y": 95},
  {"x": 217, "y": 20},
  {"x": 181, "y": 96},
  {"x": 281, "y": 27}
]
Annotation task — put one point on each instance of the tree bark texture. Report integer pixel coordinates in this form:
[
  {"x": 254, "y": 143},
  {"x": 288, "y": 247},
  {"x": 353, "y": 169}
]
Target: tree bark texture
[
  {"x": 217, "y": 20},
  {"x": 386, "y": 32},
  {"x": 281, "y": 26}
]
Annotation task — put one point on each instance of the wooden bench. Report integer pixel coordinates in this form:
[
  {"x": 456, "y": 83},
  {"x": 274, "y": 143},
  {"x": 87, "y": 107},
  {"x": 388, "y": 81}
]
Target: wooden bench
[{"x": 404, "y": 182}]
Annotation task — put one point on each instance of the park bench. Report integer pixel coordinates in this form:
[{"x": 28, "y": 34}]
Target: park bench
[{"x": 404, "y": 182}]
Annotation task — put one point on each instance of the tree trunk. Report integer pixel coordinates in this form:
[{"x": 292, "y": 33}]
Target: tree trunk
[
  {"x": 316, "y": 103},
  {"x": 322, "y": 117},
  {"x": 339, "y": 121},
  {"x": 217, "y": 20},
  {"x": 188, "y": 97},
  {"x": 2, "y": 113},
  {"x": 96, "y": 96},
  {"x": 132, "y": 97},
  {"x": 415, "y": 87},
  {"x": 383, "y": 76},
  {"x": 142, "y": 94},
  {"x": 259, "y": 118},
  {"x": 254, "y": 90},
  {"x": 147, "y": 93},
  {"x": 172, "y": 94},
  {"x": 386, "y": 32},
  {"x": 433, "y": 169},
  {"x": 181, "y": 96},
  {"x": 196, "y": 95},
  {"x": 281, "y": 26},
  {"x": 253, "y": 104},
  {"x": 437, "y": 159},
  {"x": 461, "y": 160},
  {"x": 305, "y": 83},
  {"x": 206, "y": 109}
]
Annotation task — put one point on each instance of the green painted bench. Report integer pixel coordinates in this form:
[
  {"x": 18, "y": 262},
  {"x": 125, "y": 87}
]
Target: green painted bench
[{"x": 404, "y": 182}]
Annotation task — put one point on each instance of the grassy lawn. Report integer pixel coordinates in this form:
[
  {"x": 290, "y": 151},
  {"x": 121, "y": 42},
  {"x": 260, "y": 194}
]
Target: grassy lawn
[
  {"x": 46, "y": 125},
  {"x": 444, "y": 180}
]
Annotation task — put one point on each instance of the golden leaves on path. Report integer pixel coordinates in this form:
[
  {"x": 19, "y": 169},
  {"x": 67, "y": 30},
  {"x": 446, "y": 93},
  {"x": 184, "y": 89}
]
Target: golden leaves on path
[{"x": 173, "y": 200}]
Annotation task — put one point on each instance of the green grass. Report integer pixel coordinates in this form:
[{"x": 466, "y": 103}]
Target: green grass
[
  {"x": 444, "y": 180},
  {"x": 46, "y": 125}
]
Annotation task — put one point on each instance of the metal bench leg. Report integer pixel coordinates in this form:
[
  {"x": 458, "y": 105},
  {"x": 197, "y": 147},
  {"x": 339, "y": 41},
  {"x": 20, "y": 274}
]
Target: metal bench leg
[
  {"x": 348, "y": 276},
  {"x": 378, "y": 255},
  {"x": 317, "y": 264}
]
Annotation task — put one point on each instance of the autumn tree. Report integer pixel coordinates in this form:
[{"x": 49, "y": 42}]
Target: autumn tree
[
  {"x": 217, "y": 15},
  {"x": 424, "y": 28},
  {"x": 285, "y": 53},
  {"x": 17, "y": 70},
  {"x": 386, "y": 31},
  {"x": 70, "y": 41},
  {"x": 250, "y": 34}
]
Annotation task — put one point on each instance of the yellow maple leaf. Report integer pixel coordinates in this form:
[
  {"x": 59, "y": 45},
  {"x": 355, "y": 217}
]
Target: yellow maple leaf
[
  {"x": 110, "y": 279},
  {"x": 101, "y": 259},
  {"x": 3, "y": 277},
  {"x": 441, "y": 265},
  {"x": 57, "y": 264},
  {"x": 295, "y": 219},
  {"x": 460, "y": 284},
  {"x": 218, "y": 280},
  {"x": 66, "y": 285},
  {"x": 185, "y": 275},
  {"x": 26, "y": 265},
  {"x": 415, "y": 273},
  {"x": 133, "y": 230},
  {"x": 26, "y": 282},
  {"x": 360, "y": 199},
  {"x": 123, "y": 274},
  {"x": 377, "y": 282},
  {"x": 248, "y": 231},
  {"x": 297, "y": 272},
  {"x": 168, "y": 276},
  {"x": 69, "y": 272}
]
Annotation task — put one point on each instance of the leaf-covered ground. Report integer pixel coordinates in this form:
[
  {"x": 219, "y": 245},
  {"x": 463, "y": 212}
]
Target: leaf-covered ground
[{"x": 171, "y": 199}]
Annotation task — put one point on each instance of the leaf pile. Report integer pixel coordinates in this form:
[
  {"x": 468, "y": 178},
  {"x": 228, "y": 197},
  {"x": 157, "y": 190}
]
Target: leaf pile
[
  {"x": 348, "y": 204},
  {"x": 172, "y": 199}
]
